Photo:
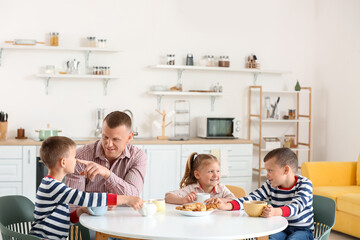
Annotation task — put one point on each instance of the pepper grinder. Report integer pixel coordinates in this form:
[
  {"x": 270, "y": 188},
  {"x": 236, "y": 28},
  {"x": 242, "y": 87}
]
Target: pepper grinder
[{"x": 189, "y": 60}]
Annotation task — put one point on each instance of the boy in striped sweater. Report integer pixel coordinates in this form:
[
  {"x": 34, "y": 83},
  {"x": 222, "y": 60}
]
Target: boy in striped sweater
[
  {"x": 289, "y": 196},
  {"x": 51, "y": 214}
]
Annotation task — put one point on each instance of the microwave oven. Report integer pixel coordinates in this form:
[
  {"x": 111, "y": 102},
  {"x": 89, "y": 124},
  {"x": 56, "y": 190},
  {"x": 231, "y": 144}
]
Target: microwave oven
[{"x": 218, "y": 127}]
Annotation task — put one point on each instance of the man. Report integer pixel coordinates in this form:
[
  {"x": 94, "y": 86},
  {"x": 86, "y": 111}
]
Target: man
[{"x": 116, "y": 166}]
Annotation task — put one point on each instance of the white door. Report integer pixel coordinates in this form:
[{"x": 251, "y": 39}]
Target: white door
[{"x": 162, "y": 170}]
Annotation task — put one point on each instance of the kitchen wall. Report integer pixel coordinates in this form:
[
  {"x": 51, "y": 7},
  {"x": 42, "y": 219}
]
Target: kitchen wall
[{"x": 304, "y": 37}]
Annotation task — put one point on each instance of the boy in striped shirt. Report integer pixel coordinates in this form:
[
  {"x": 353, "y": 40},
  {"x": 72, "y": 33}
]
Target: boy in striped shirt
[
  {"x": 51, "y": 214},
  {"x": 289, "y": 196}
]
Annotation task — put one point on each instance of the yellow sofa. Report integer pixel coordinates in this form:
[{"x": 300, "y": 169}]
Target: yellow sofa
[{"x": 341, "y": 182}]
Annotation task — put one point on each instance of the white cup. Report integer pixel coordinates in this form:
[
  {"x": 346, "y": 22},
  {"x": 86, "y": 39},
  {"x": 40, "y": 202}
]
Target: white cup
[
  {"x": 160, "y": 204},
  {"x": 148, "y": 209},
  {"x": 201, "y": 197}
]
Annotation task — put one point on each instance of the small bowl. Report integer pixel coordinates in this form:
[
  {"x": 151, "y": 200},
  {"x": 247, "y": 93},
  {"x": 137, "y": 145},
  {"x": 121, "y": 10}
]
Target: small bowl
[
  {"x": 254, "y": 208},
  {"x": 98, "y": 211}
]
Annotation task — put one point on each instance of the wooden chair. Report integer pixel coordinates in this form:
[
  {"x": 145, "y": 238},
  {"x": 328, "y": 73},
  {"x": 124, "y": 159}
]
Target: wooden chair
[{"x": 239, "y": 192}]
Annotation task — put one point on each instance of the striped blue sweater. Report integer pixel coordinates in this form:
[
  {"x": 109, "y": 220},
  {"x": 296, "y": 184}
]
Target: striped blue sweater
[
  {"x": 298, "y": 199},
  {"x": 52, "y": 217}
]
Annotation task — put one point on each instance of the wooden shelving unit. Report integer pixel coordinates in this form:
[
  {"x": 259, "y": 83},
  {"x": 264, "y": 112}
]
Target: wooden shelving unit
[{"x": 260, "y": 121}]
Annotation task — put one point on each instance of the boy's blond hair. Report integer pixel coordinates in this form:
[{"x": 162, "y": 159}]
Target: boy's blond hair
[
  {"x": 55, "y": 148},
  {"x": 283, "y": 156}
]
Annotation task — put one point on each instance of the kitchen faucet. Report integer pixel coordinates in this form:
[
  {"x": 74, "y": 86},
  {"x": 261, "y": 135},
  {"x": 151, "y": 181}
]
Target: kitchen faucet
[{"x": 132, "y": 121}]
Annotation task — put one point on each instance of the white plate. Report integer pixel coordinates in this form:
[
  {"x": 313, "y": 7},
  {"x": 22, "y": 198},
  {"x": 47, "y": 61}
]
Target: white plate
[{"x": 194, "y": 214}]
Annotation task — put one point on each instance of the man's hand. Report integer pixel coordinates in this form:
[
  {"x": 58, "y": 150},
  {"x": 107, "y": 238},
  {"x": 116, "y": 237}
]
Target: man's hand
[
  {"x": 134, "y": 202},
  {"x": 92, "y": 169}
]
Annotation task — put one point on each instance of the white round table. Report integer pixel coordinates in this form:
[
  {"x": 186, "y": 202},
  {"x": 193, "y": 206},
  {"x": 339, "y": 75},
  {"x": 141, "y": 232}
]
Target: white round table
[{"x": 126, "y": 222}]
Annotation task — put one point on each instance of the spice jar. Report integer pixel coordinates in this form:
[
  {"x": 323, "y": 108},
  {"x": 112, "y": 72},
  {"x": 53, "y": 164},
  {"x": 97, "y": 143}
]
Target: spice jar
[
  {"x": 54, "y": 39},
  {"x": 286, "y": 141},
  {"x": 170, "y": 59},
  {"x": 210, "y": 61},
  {"x": 91, "y": 41},
  {"x": 224, "y": 61},
  {"x": 292, "y": 140},
  {"x": 292, "y": 114}
]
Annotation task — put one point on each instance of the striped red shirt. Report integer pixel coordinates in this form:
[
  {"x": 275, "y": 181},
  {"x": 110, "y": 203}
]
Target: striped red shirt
[{"x": 127, "y": 173}]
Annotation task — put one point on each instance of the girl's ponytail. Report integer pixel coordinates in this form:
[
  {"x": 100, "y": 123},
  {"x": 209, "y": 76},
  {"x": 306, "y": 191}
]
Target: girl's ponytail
[{"x": 188, "y": 170}]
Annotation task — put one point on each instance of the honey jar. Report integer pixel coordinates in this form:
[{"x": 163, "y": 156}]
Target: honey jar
[
  {"x": 291, "y": 139},
  {"x": 54, "y": 39}
]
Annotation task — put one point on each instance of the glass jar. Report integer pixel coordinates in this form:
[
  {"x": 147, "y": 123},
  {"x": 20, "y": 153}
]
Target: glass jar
[
  {"x": 54, "y": 39},
  {"x": 221, "y": 61},
  {"x": 210, "y": 61},
  {"x": 292, "y": 140},
  {"x": 170, "y": 59},
  {"x": 91, "y": 41},
  {"x": 226, "y": 61},
  {"x": 50, "y": 69},
  {"x": 292, "y": 114},
  {"x": 95, "y": 70},
  {"x": 286, "y": 141}
]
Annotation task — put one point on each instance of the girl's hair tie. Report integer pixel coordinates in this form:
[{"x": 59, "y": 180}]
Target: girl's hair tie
[{"x": 195, "y": 156}]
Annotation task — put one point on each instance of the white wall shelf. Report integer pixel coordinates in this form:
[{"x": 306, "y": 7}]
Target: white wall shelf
[
  {"x": 305, "y": 149},
  {"x": 160, "y": 94},
  {"x": 87, "y": 50},
  {"x": 281, "y": 120},
  {"x": 182, "y": 68},
  {"x": 106, "y": 78}
]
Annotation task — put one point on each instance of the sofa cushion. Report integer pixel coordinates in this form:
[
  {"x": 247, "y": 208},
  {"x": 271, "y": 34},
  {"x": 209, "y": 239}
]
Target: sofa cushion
[
  {"x": 358, "y": 172},
  {"x": 330, "y": 173},
  {"x": 336, "y": 191},
  {"x": 349, "y": 203}
]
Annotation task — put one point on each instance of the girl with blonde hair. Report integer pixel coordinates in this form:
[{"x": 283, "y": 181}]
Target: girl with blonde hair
[{"x": 202, "y": 175}]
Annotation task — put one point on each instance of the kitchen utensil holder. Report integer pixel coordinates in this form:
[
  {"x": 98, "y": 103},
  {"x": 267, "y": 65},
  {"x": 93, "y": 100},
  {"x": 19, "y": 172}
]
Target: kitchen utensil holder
[{"x": 3, "y": 129}]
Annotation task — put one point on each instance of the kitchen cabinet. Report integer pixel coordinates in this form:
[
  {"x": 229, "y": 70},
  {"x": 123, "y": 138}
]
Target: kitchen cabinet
[
  {"x": 239, "y": 161},
  {"x": 87, "y": 50},
  {"x": 162, "y": 170},
  {"x": 18, "y": 171},
  {"x": 258, "y": 121},
  {"x": 181, "y": 68}
]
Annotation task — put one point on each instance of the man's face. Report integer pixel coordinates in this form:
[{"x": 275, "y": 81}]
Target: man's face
[{"x": 114, "y": 140}]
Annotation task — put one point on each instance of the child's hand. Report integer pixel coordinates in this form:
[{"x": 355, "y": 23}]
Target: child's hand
[
  {"x": 268, "y": 211},
  {"x": 212, "y": 200},
  {"x": 190, "y": 197},
  {"x": 82, "y": 210},
  {"x": 112, "y": 207},
  {"x": 134, "y": 202}
]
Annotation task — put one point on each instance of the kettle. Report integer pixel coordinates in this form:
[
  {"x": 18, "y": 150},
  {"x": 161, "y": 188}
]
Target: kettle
[{"x": 72, "y": 66}]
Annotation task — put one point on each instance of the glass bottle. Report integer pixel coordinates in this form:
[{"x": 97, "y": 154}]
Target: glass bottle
[
  {"x": 226, "y": 61},
  {"x": 221, "y": 61},
  {"x": 54, "y": 39}
]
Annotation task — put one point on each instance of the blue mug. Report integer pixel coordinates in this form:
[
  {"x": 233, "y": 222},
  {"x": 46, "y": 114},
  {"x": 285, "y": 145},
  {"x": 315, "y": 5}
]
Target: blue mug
[{"x": 97, "y": 211}]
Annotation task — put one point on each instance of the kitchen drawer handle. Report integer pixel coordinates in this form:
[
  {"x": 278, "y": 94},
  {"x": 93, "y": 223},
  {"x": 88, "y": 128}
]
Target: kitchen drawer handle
[{"x": 28, "y": 156}]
